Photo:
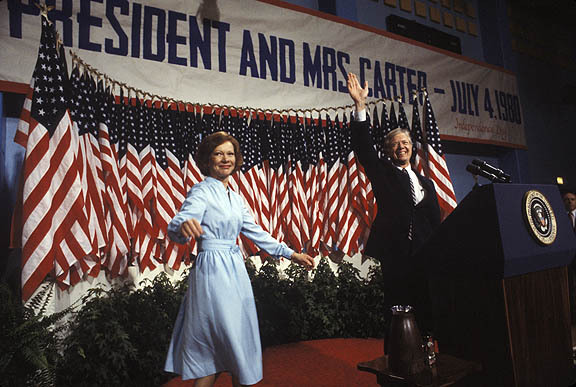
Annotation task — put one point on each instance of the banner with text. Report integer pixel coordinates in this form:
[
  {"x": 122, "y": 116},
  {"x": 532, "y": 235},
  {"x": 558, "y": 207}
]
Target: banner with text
[{"x": 262, "y": 55}]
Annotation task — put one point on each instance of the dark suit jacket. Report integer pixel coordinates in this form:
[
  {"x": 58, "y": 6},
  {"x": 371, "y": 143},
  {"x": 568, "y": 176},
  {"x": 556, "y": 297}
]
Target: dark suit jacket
[{"x": 389, "y": 232}]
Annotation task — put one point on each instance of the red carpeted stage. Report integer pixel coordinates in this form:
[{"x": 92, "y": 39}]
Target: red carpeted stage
[{"x": 330, "y": 362}]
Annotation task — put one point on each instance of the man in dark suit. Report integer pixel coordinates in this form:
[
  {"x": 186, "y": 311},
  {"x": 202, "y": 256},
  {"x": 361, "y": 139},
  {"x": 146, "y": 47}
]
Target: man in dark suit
[
  {"x": 569, "y": 198},
  {"x": 408, "y": 209}
]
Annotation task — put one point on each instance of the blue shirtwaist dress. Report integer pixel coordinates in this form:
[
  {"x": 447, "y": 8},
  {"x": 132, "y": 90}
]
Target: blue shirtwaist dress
[{"x": 217, "y": 327}]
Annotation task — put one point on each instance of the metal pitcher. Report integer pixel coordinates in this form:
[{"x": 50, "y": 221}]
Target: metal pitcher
[{"x": 406, "y": 355}]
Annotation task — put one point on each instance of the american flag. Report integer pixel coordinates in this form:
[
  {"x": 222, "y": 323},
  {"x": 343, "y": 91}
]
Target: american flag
[
  {"x": 115, "y": 199},
  {"x": 402, "y": 119},
  {"x": 247, "y": 178},
  {"x": 140, "y": 228},
  {"x": 281, "y": 210},
  {"x": 384, "y": 122},
  {"x": 347, "y": 223},
  {"x": 376, "y": 131},
  {"x": 171, "y": 126},
  {"x": 189, "y": 140},
  {"x": 150, "y": 157},
  {"x": 191, "y": 133},
  {"x": 86, "y": 124},
  {"x": 260, "y": 130},
  {"x": 299, "y": 227},
  {"x": 437, "y": 168},
  {"x": 418, "y": 152},
  {"x": 70, "y": 265},
  {"x": 209, "y": 122},
  {"x": 393, "y": 120},
  {"x": 266, "y": 127},
  {"x": 330, "y": 193},
  {"x": 315, "y": 183},
  {"x": 380, "y": 127},
  {"x": 150, "y": 230},
  {"x": 52, "y": 202}
]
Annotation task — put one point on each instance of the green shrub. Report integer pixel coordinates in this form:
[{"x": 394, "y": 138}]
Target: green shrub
[
  {"x": 360, "y": 302},
  {"x": 272, "y": 304},
  {"x": 29, "y": 339},
  {"x": 296, "y": 308},
  {"x": 314, "y": 304},
  {"x": 120, "y": 337}
]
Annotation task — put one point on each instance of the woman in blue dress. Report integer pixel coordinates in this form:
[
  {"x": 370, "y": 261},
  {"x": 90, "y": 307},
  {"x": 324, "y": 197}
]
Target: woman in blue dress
[{"x": 217, "y": 327}]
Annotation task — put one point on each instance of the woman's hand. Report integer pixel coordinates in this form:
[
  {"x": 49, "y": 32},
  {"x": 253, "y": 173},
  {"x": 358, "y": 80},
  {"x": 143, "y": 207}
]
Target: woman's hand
[
  {"x": 191, "y": 228},
  {"x": 357, "y": 93},
  {"x": 304, "y": 260}
]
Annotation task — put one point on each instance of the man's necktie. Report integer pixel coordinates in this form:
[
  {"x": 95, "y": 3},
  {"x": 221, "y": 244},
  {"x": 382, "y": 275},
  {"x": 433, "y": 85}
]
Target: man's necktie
[
  {"x": 572, "y": 220},
  {"x": 410, "y": 229}
]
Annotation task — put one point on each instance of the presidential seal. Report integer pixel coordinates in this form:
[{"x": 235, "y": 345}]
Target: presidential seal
[{"x": 539, "y": 217}]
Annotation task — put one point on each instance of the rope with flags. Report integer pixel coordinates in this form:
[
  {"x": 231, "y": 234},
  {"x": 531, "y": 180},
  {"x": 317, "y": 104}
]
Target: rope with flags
[{"x": 104, "y": 174}]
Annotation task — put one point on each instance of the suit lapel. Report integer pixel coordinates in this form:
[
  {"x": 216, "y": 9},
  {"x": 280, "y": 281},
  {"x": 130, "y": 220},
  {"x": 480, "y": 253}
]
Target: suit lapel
[{"x": 426, "y": 185}]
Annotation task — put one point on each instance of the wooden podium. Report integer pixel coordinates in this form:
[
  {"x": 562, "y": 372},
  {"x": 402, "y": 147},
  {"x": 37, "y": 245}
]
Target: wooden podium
[{"x": 500, "y": 296}]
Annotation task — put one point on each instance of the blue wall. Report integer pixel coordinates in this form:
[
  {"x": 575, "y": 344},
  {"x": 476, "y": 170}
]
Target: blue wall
[
  {"x": 550, "y": 123},
  {"x": 310, "y": 4},
  {"x": 9, "y": 172},
  {"x": 374, "y": 13},
  {"x": 495, "y": 34},
  {"x": 12, "y": 157},
  {"x": 465, "y": 181},
  {"x": 2, "y": 141}
]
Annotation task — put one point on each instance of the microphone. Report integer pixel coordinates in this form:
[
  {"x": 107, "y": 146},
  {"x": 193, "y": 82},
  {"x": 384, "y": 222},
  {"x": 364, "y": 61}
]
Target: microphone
[
  {"x": 503, "y": 177},
  {"x": 476, "y": 170}
]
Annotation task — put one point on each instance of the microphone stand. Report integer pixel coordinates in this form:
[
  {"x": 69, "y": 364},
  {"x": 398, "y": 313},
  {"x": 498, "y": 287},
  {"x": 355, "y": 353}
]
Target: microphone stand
[{"x": 476, "y": 185}]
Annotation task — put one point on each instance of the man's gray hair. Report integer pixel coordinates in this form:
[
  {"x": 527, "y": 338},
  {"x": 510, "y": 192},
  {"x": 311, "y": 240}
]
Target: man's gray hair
[{"x": 388, "y": 138}]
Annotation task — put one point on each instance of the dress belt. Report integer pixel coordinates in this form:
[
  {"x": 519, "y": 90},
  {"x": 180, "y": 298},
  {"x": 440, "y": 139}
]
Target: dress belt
[{"x": 218, "y": 244}]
